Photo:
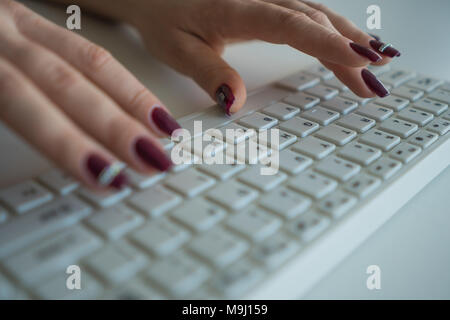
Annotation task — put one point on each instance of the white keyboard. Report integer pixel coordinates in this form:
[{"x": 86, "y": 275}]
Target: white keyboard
[{"x": 225, "y": 231}]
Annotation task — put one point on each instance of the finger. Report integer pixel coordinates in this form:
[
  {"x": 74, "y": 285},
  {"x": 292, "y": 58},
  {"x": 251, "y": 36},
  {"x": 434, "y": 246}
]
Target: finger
[
  {"x": 40, "y": 122},
  {"x": 100, "y": 67}
]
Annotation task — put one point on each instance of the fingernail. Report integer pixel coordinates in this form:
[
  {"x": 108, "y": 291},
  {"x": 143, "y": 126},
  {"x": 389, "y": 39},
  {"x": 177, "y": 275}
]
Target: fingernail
[
  {"x": 152, "y": 155},
  {"x": 374, "y": 84},
  {"x": 366, "y": 52},
  {"x": 165, "y": 122},
  {"x": 384, "y": 48},
  {"x": 225, "y": 98},
  {"x": 374, "y": 36},
  {"x": 106, "y": 173}
]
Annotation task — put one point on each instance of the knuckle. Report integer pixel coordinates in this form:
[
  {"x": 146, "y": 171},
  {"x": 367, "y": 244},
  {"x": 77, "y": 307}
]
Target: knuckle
[
  {"x": 96, "y": 57},
  {"x": 318, "y": 16},
  {"x": 142, "y": 97},
  {"x": 61, "y": 77}
]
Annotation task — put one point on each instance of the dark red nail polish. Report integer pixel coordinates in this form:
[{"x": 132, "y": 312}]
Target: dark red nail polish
[
  {"x": 106, "y": 173},
  {"x": 366, "y": 52},
  {"x": 374, "y": 84},
  {"x": 387, "y": 50},
  {"x": 225, "y": 98},
  {"x": 152, "y": 155},
  {"x": 165, "y": 122},
  {"x": 374, "y": 36}
]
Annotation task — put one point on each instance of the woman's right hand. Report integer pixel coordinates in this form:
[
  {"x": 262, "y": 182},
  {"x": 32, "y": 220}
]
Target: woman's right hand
[{"x": 75, "y": 103}]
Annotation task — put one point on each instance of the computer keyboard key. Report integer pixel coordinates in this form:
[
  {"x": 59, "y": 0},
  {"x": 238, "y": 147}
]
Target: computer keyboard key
[
  {"x": 360, "y": 153},
  {"x": 321, "y": 115},
  {"x": 221, "y": 171},
  {"x": 405, "y": 152},
  {"x": 441, "y": 95},
  {"x": 415, "y": 115},
  {"x": 232, "y": 195},
  {"x": 393, "y": 102},
  {"x": 380, "y": 139},
  {"x": 356, "y": 122},
  {"x": 385, "y": 167},
  {"x": 299, "y": 82},
  {"x": 160, "y": 237},
  {"x": 135, "y": 289},
  {"x": 302, "y": 100},
  {"x": 24, "y": 196},
  {"x": 248, "y": 152},
  {"x": 423, "y": 138},
  {"x": 362, "y": 185},
  {"x": 253, "y": 177},
  {"x": 341, "y": 105},
  {"x": 439, "y": 126},
  {"x": 299, "y": 126},
  {"x": 275, "y": 250},
  {"x": 313, "y": 184},
  {"x": 430, "y": 105},
  {"x": 322, "y": 92},
  {"x": 189, "y": 182},
  {"x": 314, "y": 147},
  {"x": 234, "y": 133},
  {"x": 399, "y": 127},
  {"x": 198, "y": 214},
  {"x": 336, "y": 83},
  {"x": 336, "y": 134},
  {"x": 408, "y": 93},
  {"x": 425, "y": 83},
  {"x": 276, "y": 140},
  {"x": 254, "y": 223},
  {"x": 281, "y": 111},
  {"x": 337, "y": 204},
  {"x": 293, "y": 162},
  {"x": 285, "y": 202},
  {"x": 154, "y": 201},
  {"x": 397, "y": 77},
  {"x": 320, "y": 71},
  {"x": 350, "y": 95},
  {"x": 308, "y": 226},
  {"x": 104, "y": 199},
  {"x": 375, "y": 111},
  {"x": 58, "y": 181},
  {"x": 142, "y": 181},
  {"x": 218, "y": 247},
  {"x": 338, "y": 168}
]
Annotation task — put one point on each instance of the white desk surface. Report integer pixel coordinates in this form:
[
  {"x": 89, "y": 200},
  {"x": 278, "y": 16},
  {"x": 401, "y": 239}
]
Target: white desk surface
[{"x": 412, "y": 248}]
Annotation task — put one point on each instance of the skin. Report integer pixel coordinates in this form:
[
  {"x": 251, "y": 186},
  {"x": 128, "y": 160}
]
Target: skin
[{"x": 50, "y": 77}]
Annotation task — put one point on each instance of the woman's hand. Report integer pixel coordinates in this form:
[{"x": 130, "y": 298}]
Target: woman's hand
[{"x": 75, "y": 103}]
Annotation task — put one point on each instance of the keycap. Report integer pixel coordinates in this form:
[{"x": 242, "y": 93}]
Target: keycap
[
  {"x": 439, "y": 126},
  {"x": 425, "y": 83},
  {"x": 190, "y": 182},
  {"x": 423, "y": 138},
  {"x": 362, "y": 185},
  {"x": 356, "y": 122},
  {"x": 154, "y": 201},
  {"x": 415, "y": 115},
  {"x": 258, "y": 121},
  {"x": 308, "y": 226},
  {"x": 338, "y": 168},
  {"x": 276, "y": 139},
  {"x": 104, "y": 199},
  {"x": 322, "y": 92},
  {"x": 254, "y": 223},
  {"x": 116, "y": 262},
  {"x": 446, "y": 115},
  {"x": 185, "y": 159},
  {"x": 376, "y": 112},
  {"x": 405, "y": 152},
  {"x": 321, "y": 115},
  {"x": 58, "y": 181},
  {"x": 440, "y": 95},
  {"x": 115, "y": 222},
  {"x": 218, "y": 247},
  {"x": 52, "y": 255},
  {"x": 399, "y": 127},
  {"x": 135, "y": 289},
  {"x": 411, "y": 94},
  {"x": 142, "y": 181},
  {"x": 337, "y": 204},
  {"x": 314, "y": 147},
  {"x": 341, "y": 105},
  {"x": 255, "y": 179},
  {"x": 299, "y": 81},
  {"x": 350, "y": 95},
  {"x": 179, "y": 274},
  {"x": 281, "y": 111},
  {"x": 336, "y": 134},
  {"x": 24, "y": 196},
  {"x": 380, "y": 139},
  {"x": 160, "y": 237},
  {"x": 299, "y": 126},
  {"x": 393, "y": 102},
  {"x": 221, "y": 171},
  {"x": 214, "y": 117},
  {"x": 285, "y": 202},
  {"x": 232, "y": 195},
  {"x": 320, "y": 71},
  {"x": 207, "y": 146},
  {"x": 236, "y": 133},
  {"x": 430, "y": 105},
  {"x": 360, "y": 153},
  {"x": 336, "y": 83},
  {"x": 275, "y": 250},
  {"x": 385, "y": 167},
  {"x": 302, "y": 100},
  {"x": 293, "y": 162},
  {"x": 42, "y": 222},
  {"x": 198, "y": 214},
  {"x": 248, "y": 152},
  {"x": 396, "y": 77},
  {"x": 313, "y": 184}
]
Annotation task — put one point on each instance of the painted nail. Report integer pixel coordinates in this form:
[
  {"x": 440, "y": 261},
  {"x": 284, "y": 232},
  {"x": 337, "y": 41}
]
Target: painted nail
[
  {"x": 374, "y": 36},
  {"x": 384, "y": 48},
  {"x": 374, "y": 84},
  {"x": 152, "y": 155},
  {"x": 366, "y": 52},
  {"x": 225, "y": 98},
  {"x": 165, "y": 122},
  {"x": 106, "y": 173}
]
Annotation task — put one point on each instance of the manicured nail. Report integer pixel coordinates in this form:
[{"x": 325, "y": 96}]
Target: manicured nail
[
  {"x": 384, "y": 48},
  {"x": 106, "y": 173},
  {"x": 152, "y": 155},
  {"x": 374, "y": 84},
  {"x": 374, "y": 36},
  {"x": 165, "y": 122},
  {"x": 225, "y": 98},
  {"x": 366, "y": 52}
]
